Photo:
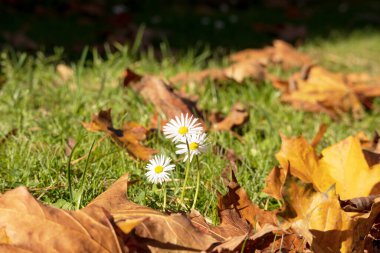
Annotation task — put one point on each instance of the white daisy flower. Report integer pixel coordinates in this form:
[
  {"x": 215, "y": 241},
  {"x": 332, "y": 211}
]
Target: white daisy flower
[
  {"x": 158, "y": 168},
  {"x": 197, "y": 144},
  {"x": 179, "y": 128}
]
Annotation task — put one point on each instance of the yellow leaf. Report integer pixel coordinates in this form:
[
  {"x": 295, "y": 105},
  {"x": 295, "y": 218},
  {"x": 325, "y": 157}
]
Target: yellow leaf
[
  {"x": 298, "y": 156},
  {"x": 346, "y": 164}
]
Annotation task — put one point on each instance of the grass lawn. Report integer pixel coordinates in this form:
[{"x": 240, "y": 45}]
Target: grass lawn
[{"x": 47, "y": 111}]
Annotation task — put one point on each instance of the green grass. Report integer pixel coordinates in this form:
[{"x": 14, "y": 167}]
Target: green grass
[{"x": 46, "y": 111}]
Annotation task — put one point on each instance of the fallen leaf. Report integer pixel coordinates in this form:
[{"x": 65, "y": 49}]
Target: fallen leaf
[
  {"x": 262, "y": 56},
  {"x": 281, "y": 53},
  {"x": 267, "y": 239},
  {"x": 288, "y": 56},
  {"x": 232, "y": 166},
  {"x": 231, "y": 225},
  {"x": 238, "y": 72},
  {"x": 157, "y": 231},
  {"x": 347, "y": 166},
  {"x": 238, "y": 199},
  {"x": 323, "y": 91},
  {"x": 326, "y": 226},
  {"x": 129, "y": 136},
  {"x": 342, "y": 164},
  {"x": 197, "y": 77},
  {"x": 154, "y": 90},
  {"x": 274, "y": 182},
  {"x": 317, "y": 216},
  {"x": 367, "y": 230},
  {"x": 245, "y": 69},
  {"x": 362, "y": 204},
  {"x": 236, "y": 117},
  {"x": 365, "y": 86},
  {"x": 371, "y": 148},
  {"x": 309, "y": 186},
  {"x": 299, "y": 158},
  {"x": 316, "y": 89},
  {"x": 28, "y": 226}
]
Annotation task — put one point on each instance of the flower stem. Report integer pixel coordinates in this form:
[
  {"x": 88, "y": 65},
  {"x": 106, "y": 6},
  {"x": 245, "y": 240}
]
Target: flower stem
[
  {"x": 186, "y": 172},
  {"x": 164, "y": 205},
  {"x": 198, "y": 181}
]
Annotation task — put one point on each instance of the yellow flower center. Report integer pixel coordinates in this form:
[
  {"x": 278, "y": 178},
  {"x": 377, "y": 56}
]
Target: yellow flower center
[
  {"x": 183, "y": 130},
  {"x": 193, "y": 146},
  {"x": 158, "y": 169}
]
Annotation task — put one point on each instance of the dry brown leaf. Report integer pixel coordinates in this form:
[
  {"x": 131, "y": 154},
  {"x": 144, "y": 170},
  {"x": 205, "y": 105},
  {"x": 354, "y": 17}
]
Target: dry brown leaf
[
  {"x": 154, "y": 90},
  {"x": 364, "y": 86},
  {"x": 235, "y": 209},
  {"x": 288, "y": 56},
  {"x": 27, "y": 225},
  {"x": 372, "y": 157},
  {"x": 232, "y": 166},
  {"x": 323, "y": 91},
  {"x": 362, "y": 204},
  {"x": 267, "y": 239},
  {"x": 367, "y": 230},
  {"x": 237, "y": 71},
  {"x": 238, "y": 199},
  {"x": 244, "y": 69},
  {"x": 198, "y": 77},
  {"x": 129, "y": 137},
  {"x": 281, "y": 53},
  {"x": 236, "y": 117},
  {"x": 155, "y": 230},
  {"x": 231, "y": 225},
  {"x": 262, "y": 56},
  {"x": 275, "y": 182},
  {"x": 316, "y": 89},
  {"x": 371, "y": 148}
]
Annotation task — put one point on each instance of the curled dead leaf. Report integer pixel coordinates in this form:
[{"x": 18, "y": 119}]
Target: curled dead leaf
[
  {"x": 275, "y": 182},
  {"x": 156, "y": 231},
  {"x": 129, "y": 136},
  {"x": 236, "y": 117},
  {"x": 281, "y": 53},
  {"x": 27, "y": 225},
  {"x": 362, "y": 204},
  {"x": 167, "y": 102},
  {"x": 238, "y": 199},
  {"x": 231, "y": 225},
  {"x": 371, "y": 148},
  {"x": 317, "y": 216},
  {"x": 288, "y": 56},
  {"x": 316, "y": 89}
]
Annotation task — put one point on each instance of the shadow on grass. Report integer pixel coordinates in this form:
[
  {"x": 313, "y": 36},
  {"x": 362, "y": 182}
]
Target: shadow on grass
[{"x": 221, "y": 25}]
